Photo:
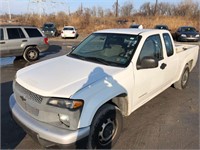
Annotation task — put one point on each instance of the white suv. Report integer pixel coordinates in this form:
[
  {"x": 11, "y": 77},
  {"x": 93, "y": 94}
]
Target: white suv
[{"x": 26, "y": 41}]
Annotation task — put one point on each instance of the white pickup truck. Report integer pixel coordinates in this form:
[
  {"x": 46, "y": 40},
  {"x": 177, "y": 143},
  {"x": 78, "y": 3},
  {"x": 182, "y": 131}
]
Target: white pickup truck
[{"x": 83, "y": 96}]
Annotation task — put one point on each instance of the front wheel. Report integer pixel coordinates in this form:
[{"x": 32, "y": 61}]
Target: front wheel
[
  {"x": 182, "y": 82},
  {"x": 106, "y": 127},
  {"x": 31, "y": 54}
]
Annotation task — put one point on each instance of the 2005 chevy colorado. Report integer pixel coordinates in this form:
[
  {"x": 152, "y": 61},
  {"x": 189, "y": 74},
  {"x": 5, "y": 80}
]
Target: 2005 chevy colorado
[{"x": 86, "y": 93}]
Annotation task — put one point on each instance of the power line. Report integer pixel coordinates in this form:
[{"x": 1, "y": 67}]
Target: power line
[{"x": 42, "y": 5}]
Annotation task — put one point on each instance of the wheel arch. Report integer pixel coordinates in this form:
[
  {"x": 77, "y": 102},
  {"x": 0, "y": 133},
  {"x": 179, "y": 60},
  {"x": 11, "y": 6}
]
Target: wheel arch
[
  {"x": 35, "y": 46},
  {"x": 188, "y": 64},
  {"x": 120, "y": 101}
]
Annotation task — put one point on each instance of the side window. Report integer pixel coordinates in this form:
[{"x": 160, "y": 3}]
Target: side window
[
  {"x": 15, "y": 33},
  {"x": 1, "y": 34},
  {"x": 152, "y": 48},
  {"x": 33, "y": 32},
  {"x": 168, "y": 44}
]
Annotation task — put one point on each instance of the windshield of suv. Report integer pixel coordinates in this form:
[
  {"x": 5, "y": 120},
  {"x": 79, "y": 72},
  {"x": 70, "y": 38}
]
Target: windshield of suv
[
  {"x": 107, "y": 48},
  {"x": 48, "y": 25}
]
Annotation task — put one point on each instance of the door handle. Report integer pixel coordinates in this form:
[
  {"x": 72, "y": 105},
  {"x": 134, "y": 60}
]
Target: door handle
[
  {"x": 163, "y": 65},
  {"x": 24, "y": 40},
  {"x": 2, "y": 42}
]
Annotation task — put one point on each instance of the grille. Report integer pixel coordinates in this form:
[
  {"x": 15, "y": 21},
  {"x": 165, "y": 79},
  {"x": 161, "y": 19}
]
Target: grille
[
  {"x": 26, "y": 94},
  {"x": 190, "y": 35}
]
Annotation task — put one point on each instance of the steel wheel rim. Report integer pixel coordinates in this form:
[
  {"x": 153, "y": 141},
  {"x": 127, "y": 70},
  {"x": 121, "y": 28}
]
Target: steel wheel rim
[
  {"x": 185, "y": 78},
  {"x": 107, "y": 132}
]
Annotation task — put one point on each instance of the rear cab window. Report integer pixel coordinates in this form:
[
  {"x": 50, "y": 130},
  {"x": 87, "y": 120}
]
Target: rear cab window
[
  {"x": 15, "y": 33},
  {"x": 168, "y": 44},
  {"x": 1, "y": 34},
  {"x": 33, "y": 32}
]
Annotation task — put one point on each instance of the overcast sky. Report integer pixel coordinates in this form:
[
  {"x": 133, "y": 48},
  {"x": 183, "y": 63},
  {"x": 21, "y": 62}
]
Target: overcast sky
[{"x": 51, "y": 6}]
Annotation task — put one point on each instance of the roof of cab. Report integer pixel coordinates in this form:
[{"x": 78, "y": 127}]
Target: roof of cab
[{"x": 131, "y": 31}]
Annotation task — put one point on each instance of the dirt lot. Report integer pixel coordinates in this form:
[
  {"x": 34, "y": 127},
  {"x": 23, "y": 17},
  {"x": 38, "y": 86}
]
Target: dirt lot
[{"x": 169, "y": 121}]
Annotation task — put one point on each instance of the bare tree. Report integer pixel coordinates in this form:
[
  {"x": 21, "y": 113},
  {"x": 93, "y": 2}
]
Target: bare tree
[
  {"x": 127, "y": 9},
  {"x": 94, "y": 11},
  {"x": 147, "y": 9},
  {"x": 100, "y": 12},
  {"x": 108, "y": 13},
  {"x": 164, "y": 8}
]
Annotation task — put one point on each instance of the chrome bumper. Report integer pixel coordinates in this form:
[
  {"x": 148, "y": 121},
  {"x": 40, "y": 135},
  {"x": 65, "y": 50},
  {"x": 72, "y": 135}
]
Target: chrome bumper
[{"x": 45, "y": 131}]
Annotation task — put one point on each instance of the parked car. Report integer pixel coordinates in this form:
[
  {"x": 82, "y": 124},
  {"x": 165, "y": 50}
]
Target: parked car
[
  {"x": 136, "y": 26},
  {"x": 69, "y": 32},
  {"x": 187, "y": 33},
  {"x": 162, "y": 27},
  {"x": 119, "y": 70},
  {"x": 26, "y": 41},
  {"x": 49, "y": 29}
]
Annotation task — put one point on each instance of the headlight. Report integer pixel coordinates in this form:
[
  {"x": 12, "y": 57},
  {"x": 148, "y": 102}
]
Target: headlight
[
  {"x": 51, "y": 31},
  {"x": 65, "y": 103},
  {"x": 197, "y": 35},
  {"x": 183, "y": 35}
]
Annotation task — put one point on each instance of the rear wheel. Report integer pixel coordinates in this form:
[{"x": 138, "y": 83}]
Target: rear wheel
[
  {"x": 31, "y": 54},
  {"x": 182, "y": 82},
  {"x": 106, "y": 127}
]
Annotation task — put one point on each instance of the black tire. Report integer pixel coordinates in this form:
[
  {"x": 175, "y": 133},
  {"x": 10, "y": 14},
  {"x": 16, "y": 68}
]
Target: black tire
[
  {"x": 31, "y": 54},
  {"x": 106, "y": 127},
  {"x": 183, "y": 81}
]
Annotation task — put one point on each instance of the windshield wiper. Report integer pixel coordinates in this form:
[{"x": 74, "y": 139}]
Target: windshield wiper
[
  {"x": 96, "y": 59},
  {"x": 76, "y": 56}
]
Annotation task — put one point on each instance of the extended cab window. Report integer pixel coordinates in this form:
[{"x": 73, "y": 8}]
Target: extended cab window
[
  {"x": 15, "y": 33},
  {"x": 168, "y": 44},
  {"x": 1, "y": 34},
  {"x": 33, "y": 32},
  {"x": 152, "y": 48}
]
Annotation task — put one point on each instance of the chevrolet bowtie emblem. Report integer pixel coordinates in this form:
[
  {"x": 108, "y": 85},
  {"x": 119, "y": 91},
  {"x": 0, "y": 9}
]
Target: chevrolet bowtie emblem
[{"x": 23, "y": 98}]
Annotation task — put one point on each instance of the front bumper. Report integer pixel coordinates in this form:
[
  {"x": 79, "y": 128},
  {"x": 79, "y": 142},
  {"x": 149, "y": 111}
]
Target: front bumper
[
  {"x": 47, "y": 135},
  {"x": 188, "y": 39},
  {"x": 49, "y": 33}
]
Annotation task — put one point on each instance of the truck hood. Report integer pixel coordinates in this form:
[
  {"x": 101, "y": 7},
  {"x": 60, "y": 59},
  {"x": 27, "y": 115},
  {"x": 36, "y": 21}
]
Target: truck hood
[{"x": 62, "y": 76}]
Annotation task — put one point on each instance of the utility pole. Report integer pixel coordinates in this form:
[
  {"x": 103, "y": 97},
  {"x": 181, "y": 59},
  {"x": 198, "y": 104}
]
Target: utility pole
[
  {"x": 117, "y": 9},
  {"x": 155, "y": 9}
]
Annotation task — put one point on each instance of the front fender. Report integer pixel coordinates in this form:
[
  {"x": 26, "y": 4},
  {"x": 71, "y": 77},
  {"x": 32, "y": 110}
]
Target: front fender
[{"x": 95, "y": 96}]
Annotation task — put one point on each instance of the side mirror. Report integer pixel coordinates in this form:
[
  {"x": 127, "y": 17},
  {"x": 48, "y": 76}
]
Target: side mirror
[{"x": 148, "y": 62}]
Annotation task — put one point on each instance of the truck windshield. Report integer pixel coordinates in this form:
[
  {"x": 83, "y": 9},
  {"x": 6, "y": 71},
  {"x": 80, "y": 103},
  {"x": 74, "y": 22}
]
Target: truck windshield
[{"x": 107, "y": 48}]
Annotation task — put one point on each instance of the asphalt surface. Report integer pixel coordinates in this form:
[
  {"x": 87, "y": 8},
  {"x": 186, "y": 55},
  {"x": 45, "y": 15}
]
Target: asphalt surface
[{"x": 169, "y": 121}]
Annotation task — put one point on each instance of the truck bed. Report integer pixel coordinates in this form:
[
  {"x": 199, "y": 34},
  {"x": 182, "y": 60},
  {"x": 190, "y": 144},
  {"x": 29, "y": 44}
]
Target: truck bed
[{"x": 183, "y": 47}]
